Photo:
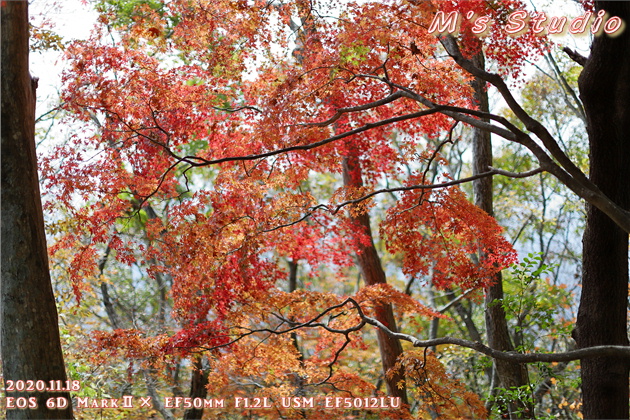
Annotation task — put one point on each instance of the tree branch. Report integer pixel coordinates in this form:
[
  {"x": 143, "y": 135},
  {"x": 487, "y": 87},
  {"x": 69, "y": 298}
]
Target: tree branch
[
  {"x": 530, "y": 123},
  {"x": 340, "y": 111},
  {"x": 335, "y": 210},
  {"x": 584, "y": 353},
  {"x": 565, "y": 170},
  {"x": 575, "y": 56}
]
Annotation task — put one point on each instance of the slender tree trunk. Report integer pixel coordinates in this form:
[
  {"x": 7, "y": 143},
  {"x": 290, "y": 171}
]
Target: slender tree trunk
[
  {"x": 31, "y": 348},
  {"x": 465, "y": 315},
  {"x": 156, "y": 401},
  {"x": 198, "y": 384},
  {"x": 602, "y": 315},
  {"x": 293, "y": 274},
  {"x": 510, "y": 374},
  {"x": 298, "y": 380},
  {"x": 372, "y": 271}
]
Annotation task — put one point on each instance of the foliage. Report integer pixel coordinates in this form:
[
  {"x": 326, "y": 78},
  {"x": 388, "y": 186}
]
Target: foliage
[{"x": 210, "y": 157}]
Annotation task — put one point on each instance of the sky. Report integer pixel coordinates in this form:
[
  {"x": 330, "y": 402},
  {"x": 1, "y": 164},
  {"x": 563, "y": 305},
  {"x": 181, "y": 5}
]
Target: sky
[{"x": 72, "y": 19}]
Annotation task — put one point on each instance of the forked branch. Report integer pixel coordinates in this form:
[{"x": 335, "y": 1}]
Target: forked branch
[{"x": 584, "y": 353}]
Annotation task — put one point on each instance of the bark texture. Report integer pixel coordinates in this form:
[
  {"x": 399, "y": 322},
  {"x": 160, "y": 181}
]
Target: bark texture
[
  {"x": 31, "y": 348},
  {"x": 198, "y": 384},
  {"x": 372, "y": 271},
  {"x": 602, "y": 316},
  {"x": 511, "y": 375}
]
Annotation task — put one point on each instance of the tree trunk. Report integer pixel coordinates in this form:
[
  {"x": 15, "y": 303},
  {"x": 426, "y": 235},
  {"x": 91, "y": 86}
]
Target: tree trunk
[
  {"x": 198, "y": 384},
  {"x": 372, "y": 271},
  {"x": 602, "y": 315},
  {"x": 511, "y": 375},
  {"x": 31, "y": 348},
  {"x": 298, "y": 380}
]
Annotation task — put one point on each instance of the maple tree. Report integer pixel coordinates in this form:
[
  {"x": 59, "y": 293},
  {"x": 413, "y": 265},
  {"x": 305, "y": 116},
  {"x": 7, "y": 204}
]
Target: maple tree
[{"x": 227, "y": 140}]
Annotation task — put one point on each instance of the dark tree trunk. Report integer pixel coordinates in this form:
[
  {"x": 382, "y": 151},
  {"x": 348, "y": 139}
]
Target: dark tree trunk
[
  {"x": 293, "y": 275},
  {"x": 510, "y": 374},
  {"x": 298, "y": 380},
  {"x": 198, "y": 389},
  {"x": 372, "y": 271},
  {"x": 31, "y": 348},
  {"x": 602, "y": 315}
]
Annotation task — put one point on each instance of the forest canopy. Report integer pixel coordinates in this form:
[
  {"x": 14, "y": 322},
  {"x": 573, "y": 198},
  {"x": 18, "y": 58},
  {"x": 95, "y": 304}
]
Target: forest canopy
[{"x": 315, "y": 209}]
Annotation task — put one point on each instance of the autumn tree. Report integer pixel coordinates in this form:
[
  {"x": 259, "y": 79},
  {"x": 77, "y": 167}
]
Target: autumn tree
[
  {"x": 31, "y": 349},
  {"x": 208, "y": 112}
]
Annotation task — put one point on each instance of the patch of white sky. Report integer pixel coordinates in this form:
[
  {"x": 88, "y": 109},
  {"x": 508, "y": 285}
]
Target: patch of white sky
[
  {"x": 577, "y": 42},
  {"x": 280, "y": 48},
  {"x": 71, "y": 20},
  {"x": 569, "y": 9}
]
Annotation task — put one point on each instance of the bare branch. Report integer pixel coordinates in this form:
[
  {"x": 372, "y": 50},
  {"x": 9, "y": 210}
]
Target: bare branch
[
  {"x": 240, "y": 108},
  {"x": 491, "y": 172},
  {"x": 565, "y": 170},
  {"x": 531, "y": 124},
  {"x": 585, "y": 353},
  {"x": 312, "y": 323},
  {"x": 339, "y": 112},
  {"x": 576, "y": 106},
  {"x": 575, "y": 56},
  {"x": 365, "y": 127},
  {"x": 516, "y": 174},
  {"x": 455, "y": 301}
]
